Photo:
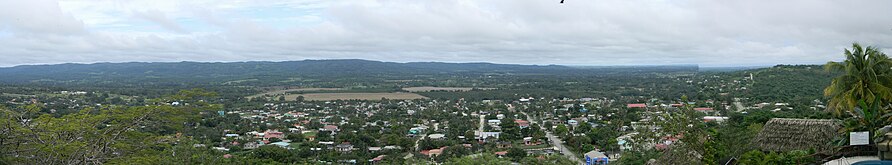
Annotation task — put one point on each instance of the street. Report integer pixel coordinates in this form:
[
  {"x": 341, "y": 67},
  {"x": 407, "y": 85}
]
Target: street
[{"x": 555, "y": 141}]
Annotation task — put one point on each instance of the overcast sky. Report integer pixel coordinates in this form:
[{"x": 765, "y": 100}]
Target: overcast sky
[{"x": 578, "y": 32}]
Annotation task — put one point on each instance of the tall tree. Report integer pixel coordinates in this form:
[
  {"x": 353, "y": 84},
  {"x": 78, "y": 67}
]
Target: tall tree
[{"x": 866, "y": 75}]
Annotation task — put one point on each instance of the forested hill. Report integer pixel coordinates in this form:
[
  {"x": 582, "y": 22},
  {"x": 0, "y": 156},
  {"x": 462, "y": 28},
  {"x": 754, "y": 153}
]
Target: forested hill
[
  {"x": 794, "y": 83},
  {"x": 201, "y": 72},
  {"x": 782, "y": 83}
]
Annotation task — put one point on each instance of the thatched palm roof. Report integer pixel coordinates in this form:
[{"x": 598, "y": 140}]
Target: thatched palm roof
[
  {"x": 783, "y": 134},
  {"x": 678, "y": 155}
]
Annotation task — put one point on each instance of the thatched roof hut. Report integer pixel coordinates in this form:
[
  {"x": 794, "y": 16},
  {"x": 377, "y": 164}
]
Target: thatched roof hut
[
  {"x": 783, "y": 134},
  {"x": 678, "y": 155}
]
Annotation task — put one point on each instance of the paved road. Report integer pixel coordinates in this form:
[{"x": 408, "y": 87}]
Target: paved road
[{"x": 556, "y": 141}]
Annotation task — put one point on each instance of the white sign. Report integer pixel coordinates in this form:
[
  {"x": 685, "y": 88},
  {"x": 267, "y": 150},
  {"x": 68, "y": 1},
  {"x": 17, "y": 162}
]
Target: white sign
[{"x": 859, "y": 138}]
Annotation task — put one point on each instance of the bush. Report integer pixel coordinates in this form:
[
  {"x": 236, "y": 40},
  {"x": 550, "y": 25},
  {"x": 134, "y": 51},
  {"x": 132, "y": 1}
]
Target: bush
[{"x": 791, "y": 157}]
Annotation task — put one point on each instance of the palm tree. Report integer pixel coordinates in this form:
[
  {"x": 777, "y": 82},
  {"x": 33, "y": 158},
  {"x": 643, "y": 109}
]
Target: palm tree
[
  {"x": 866, "y": 75},
  {"x": 867, "y": 117}
]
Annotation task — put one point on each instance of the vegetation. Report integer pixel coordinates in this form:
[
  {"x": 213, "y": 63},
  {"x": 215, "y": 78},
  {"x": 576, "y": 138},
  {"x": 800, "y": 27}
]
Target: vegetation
[
  {"x": 867, "y": 77},
  {"x": 99, "y": 135},
  {"x": 130, "y": 116}
]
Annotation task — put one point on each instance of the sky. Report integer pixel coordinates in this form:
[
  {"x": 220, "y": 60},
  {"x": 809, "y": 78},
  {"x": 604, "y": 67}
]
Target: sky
[{"x": 577, "y": 32}]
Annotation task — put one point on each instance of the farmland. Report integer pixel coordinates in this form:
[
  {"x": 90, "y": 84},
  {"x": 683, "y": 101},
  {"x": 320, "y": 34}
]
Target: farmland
[
  {"x": 355, "y": 96},
  {"x": 428, "y": 89},
  {"x": 282, "y": 91}
]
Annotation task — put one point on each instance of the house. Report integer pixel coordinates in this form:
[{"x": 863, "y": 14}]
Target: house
[
  {"x": 528, "y": 141},
  {"x": 251, "y": 145},
  {"x": 344, "y": 147},
  {"x": 572, "y": 122},
  {"x": 522, "y": 123},
  {"x": 501, "y": 153},
  {"x": 636, "y": 105},
  {"x": 484, "y": 135},
  {"x": 786, "y": 134},
  {"x": 436, "y": 136},
  {"x": 494, "y": 123},
  {"x": 596, "y": 158},
  {"x": 331, "y": 128},
  {"x": 285, "y": 145},
  {"x": 220, "y": 148},
  {"x": 704, "y": 110},
  {"x": 328, "y": 145},
  {"x": 377, "y": 159},
  {"x": 392, "y": 148},
  {"x": 231, "y": 135},
  {"x": 433, "y": 152},
  {"x": 273, "y": 134},
  {"x": 374, "y": 149},
  {"x": 416, "y": 130},
  {"x": 294, "y": 130},
  {"x": 504, "y": 145},
  {"x": 714, "y": 118}
]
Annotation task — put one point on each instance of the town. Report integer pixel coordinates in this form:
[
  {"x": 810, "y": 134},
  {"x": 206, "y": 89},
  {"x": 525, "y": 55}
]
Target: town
[
  {"x": 333, "y": 125},
  {"x": 445, "y": 82}
]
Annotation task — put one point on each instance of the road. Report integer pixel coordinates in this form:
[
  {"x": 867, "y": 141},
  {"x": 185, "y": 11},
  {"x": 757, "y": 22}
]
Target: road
[
  {"x": 555, "y": 141},
  {"x": 418, "y": 141},
  {"x": 482, "y": 121}
]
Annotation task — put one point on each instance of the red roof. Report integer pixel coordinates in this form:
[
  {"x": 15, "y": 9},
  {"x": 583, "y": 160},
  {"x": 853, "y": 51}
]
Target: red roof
[
  {"x": 522, "y": 122},
  {"x": 330, "y": 127},
  {"x": 502, "y": 153},
  {"x": 433, "y": 151},
  {"x": 379, "y": 158},
  {"x": 637, "y": 105},
  {"x": 703, "y": 109}
]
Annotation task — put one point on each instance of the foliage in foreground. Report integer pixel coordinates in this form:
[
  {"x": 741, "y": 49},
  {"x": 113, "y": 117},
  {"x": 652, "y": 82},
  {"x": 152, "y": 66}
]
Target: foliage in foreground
[{"x": 96, "y": 136}]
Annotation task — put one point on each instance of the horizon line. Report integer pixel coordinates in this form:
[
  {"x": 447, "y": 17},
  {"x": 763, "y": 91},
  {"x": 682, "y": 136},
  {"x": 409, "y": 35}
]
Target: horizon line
[{"x": 404, "y": 62}]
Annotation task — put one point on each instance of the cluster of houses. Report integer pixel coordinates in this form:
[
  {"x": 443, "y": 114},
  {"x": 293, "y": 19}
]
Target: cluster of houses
[{"x": 312, "y": 118}]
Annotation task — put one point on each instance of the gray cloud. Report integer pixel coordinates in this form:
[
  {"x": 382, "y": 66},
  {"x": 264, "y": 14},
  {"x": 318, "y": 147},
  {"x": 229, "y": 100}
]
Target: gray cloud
[{"x": 611, "y": 32}]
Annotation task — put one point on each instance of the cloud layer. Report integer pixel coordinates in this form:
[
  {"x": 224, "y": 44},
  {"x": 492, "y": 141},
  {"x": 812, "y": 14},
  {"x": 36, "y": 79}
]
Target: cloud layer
[{"x": 604, "y": 32}]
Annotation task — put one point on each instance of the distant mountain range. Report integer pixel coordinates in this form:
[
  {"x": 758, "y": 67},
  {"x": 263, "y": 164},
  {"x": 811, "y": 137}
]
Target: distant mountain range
[{"x": 199, "y": 72}]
